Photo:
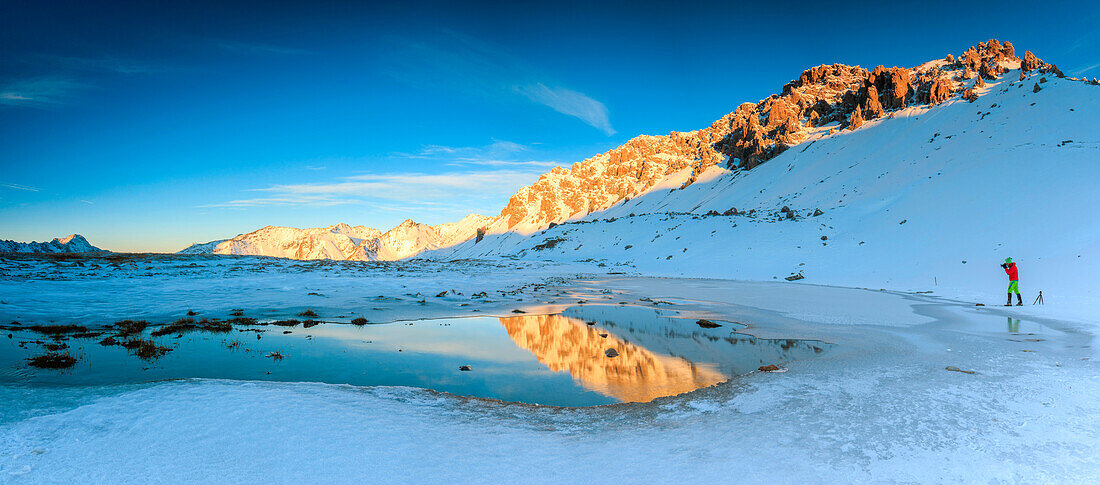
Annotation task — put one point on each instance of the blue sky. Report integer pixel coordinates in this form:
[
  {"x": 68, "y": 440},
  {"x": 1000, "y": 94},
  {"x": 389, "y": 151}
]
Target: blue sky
[{"x": 149, "y": 126}]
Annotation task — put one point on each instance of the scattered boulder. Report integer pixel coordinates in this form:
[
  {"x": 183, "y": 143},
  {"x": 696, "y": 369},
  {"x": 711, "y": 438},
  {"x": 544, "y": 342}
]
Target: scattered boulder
[
  {"x": 702, "y": 322},
  {"x": 517, "y": 310},
  {"x": 970, "y": 95},
  {"x": 611, "y": 353},
  {"x": 1036, "y": 88},
  {"x": 464, "y": 368},
  {"x": 795, "y": 277},
  {"x": 818, "y": 212},
  {"x": 769, "y": 368}
]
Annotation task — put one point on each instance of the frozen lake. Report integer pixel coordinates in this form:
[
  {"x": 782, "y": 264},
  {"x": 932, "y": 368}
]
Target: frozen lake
[
  {"x": 589, "y": 356},
  {"x": 911, "y": 388}
]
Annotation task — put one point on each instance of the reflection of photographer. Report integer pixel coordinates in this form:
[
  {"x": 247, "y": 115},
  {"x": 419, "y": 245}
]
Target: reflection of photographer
[{"x": 1013, "y": 282}]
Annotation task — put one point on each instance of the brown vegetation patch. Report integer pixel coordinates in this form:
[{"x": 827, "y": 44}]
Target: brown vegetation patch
[
  {"x": 127, "y": 328},
  {"x": 57, "y": 329},
  {"x": 52, "y": 361},
  {"x": 145, "y": 349}
]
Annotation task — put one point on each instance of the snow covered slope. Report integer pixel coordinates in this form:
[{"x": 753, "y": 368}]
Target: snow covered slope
[
  {"x": 926, "y": 198},
  {"x": 73, "y": 243},
  {"x": 344, "y": 242},
  {"x": 202, "y": 248}
]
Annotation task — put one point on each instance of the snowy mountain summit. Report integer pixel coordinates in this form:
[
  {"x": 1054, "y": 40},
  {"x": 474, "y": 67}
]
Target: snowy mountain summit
[
  {"x": 828, "y": 129},
  {"x": 345, "y": 242},
  {"x": 73, "y": 243}
]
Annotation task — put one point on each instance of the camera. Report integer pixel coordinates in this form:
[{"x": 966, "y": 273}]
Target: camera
[{"x": 1004, "y": 265}]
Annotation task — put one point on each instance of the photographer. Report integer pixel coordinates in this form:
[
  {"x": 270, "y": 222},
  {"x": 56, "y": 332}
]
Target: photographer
[{"x": 1013, "y": 282}]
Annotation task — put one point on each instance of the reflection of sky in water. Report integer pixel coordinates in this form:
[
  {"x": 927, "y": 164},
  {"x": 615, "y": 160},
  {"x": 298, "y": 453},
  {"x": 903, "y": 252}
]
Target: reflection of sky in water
[{"x": 552, "y": 359}]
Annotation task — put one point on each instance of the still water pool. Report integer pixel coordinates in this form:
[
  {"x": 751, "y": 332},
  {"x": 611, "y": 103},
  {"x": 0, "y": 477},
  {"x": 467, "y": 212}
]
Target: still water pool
[{"x": 587, "y": 355}]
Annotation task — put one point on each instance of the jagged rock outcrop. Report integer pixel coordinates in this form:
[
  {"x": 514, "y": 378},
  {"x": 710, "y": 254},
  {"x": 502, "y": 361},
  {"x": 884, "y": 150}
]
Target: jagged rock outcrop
[
  {"x": 1030, "y": 62},
  {"x": 73, "y": 243},
  {"x": 856, "y": 120}
]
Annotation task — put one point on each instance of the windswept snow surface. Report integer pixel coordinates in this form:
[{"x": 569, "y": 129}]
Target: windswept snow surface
[{"x": 879, "y": 406}]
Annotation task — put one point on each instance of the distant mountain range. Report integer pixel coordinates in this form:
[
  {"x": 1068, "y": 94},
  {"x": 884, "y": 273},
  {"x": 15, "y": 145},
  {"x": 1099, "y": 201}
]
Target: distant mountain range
[
  {"x": 824, "y": 102},
  {"x": 73, "y": 243},
  {"x": 344, "y": 242}
]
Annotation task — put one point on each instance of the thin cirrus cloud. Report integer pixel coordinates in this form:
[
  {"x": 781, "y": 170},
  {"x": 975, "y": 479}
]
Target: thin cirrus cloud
[
  {"x": 499, "y": 153},
  {"x": 260, "y": 49},
  {"x": 19, "y": 187},
  {"x": 465, "y": 190},
  {"x": 572, "y": 103},
  {"x": 39, "y": 92},
  {"x": 482, "y": 179},
  {"x": 472, "y": 67}
]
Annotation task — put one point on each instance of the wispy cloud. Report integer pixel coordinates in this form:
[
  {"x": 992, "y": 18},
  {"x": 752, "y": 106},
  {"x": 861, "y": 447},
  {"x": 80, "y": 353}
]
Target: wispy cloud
[
  {"x": 571, "y": 103},
  {"x": 469, "y": 66},
  {"x": 261, "y": 49},
  {"x": 41, "y": 91},
  {"x": 19, "y": 187},
  {"x": 1085, "y": 69},
  {"x": 499, "y": 153},
  {"x": 457, "y": 190},
  {"x": 107, "y": 64}
]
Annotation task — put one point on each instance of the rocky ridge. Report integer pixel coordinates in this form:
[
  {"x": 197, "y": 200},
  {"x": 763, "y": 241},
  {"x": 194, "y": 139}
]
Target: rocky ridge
[
  {"x": 73, "y": 243},
  {"x": 831, "y": 97}
]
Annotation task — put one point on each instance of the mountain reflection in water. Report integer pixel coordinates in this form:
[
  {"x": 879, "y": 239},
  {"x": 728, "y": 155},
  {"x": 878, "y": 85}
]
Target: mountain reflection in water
[
  {"x": 634, "y": 375},
  {"x": 657, "y": 355}
]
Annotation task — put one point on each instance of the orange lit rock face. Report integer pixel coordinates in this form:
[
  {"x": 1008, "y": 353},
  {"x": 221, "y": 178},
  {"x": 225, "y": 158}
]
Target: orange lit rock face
[
  {"x": 755, "y": 132},
  {"x": 634, "y": 375}
]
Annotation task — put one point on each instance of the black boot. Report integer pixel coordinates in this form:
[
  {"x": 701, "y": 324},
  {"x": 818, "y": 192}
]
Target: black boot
[
  {"x": 1009, "y": 300},
  {"x": 1019, "y": 300}
]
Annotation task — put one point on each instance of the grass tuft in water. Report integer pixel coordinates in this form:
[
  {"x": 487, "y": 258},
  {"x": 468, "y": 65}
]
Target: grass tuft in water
[
  {"x": 52, "y": 361},
  {"x": 57, "y": 329},
  {"x": 127, "y": 328},
  {"x": 145, "y": 349}
]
